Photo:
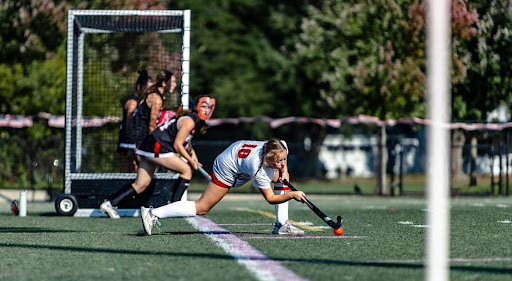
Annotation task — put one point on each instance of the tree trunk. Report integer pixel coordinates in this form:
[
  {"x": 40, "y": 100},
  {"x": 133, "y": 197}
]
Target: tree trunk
[{"x": 458, "y": 140}]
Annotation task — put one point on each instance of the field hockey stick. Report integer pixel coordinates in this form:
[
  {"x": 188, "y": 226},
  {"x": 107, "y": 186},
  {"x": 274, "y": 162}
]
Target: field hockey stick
[
  {"x": 205, "y": 174},
  {"x": 318, "y": 212}
]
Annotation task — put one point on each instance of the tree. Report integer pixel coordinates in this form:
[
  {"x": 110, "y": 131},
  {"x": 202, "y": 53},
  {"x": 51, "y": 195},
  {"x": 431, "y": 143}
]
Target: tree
[
  {"x": 489, "y": 75},
  {"x": 370, "y": 58},
  {"x": 241, "y": 54}
]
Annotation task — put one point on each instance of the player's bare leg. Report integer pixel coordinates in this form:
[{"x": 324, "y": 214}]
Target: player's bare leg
[
  {"x": 144, "y": 175},
  {"x": 176, "y": 164},
  {"x": 210, "y": 197}
]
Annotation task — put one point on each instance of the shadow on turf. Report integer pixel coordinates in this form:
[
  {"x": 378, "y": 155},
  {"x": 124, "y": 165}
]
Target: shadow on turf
[
  {"x": 201, "y": 232},
  {"x": 31, "y": 230},
  {"x": 479, "y": 269},
  {"x": 50, "y": 214},
  {"x": 470, "y": 268}
]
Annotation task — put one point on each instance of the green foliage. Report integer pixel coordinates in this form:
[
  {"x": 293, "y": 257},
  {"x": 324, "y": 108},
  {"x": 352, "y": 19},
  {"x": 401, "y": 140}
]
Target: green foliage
[
  {"x": 311, "y": 58},
  {"x": 45, "y": 84},
  {"x": 30, "y": 29},
  {"x": 278, "y": 58},
  {"x": 361, "y": 56},
  {"x": 11, "y": 74},
  {"x": 28, "y": 155},
  {"x": 489, "y": 75},
  {"x": 369, "y": 55},
  {"x": 240, "y": 54},
  {"x": 99, "y": 150}
]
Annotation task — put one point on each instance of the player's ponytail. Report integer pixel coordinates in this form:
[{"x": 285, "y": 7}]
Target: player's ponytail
[
  {"x": 163, "y": 76},
  {"x": 141, "y": 84},
  {"x": 142, "y": 80}
]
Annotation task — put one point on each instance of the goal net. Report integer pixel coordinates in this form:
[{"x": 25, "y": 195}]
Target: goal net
[{"x": 105, "y": 49}]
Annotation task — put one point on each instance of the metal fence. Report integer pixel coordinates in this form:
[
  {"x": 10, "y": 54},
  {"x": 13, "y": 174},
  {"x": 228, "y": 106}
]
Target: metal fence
[{"x": 40, "y": 165}]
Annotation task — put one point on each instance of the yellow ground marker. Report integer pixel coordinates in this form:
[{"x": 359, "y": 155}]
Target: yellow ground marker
[{"x": 272, "y": 216}]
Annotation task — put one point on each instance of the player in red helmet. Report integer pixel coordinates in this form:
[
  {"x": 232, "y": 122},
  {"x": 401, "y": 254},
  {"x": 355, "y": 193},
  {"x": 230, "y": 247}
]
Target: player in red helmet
[{"x": 167, "y": 146}]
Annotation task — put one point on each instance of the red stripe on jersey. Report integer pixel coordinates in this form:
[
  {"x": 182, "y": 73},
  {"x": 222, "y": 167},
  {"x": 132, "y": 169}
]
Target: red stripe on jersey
[
  {"x": 285, "y": 188},
  {"x": 161, "y": 118},
  {"x": 156, "y": 149},
  {"x": 216, "y": 181}
]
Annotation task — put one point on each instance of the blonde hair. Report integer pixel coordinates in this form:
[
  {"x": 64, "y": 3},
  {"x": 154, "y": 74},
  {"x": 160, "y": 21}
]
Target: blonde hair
[{"x": 271, "y": 151}]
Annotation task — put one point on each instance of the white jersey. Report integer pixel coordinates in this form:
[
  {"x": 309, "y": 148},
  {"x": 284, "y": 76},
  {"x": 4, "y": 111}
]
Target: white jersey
[{"x": 241, "y": 162}]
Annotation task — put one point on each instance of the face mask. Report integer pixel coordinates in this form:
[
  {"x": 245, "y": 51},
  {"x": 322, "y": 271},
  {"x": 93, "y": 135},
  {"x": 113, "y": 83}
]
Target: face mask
[{"x": 205, "y": 105}]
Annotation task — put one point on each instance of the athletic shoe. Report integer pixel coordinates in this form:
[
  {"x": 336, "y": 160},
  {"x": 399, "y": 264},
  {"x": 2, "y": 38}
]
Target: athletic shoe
[
  {"x": 286, "y": 229},
  {"x": 106, "y": 207},
  {"x": 148, "y": 219}
]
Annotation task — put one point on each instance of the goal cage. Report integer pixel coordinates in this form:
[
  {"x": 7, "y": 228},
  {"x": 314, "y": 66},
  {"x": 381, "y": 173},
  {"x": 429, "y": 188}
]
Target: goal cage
[{"x": 105, "y": 49}]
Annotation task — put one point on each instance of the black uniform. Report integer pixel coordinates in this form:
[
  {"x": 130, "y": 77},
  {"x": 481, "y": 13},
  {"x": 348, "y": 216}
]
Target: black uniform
[
  {"x": 123, "y": 142},
  {"x": 138, "y": 128},
  {"x": 161, "y": 142}
]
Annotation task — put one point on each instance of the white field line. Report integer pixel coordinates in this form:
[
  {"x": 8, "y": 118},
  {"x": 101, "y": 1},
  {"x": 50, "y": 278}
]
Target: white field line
[
  {"x": 258, "y": 264},
  {"x": 245, "y": 224},
  {"x": 502, "y": 206},
  {"x": 300, "y": 224},
  {"x": 410, "y": 223},
  {"x": 303, "y": 237},
  {"x": 309, "y": 227}
]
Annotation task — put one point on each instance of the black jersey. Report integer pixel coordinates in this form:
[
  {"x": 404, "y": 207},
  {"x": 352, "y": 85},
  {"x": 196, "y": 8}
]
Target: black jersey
[
  {"x": 166, "y": 133},
  {"x": 161, "y": 142},
  {"x": 122, "y": 140},
  {"x": 138, "y": 128}
]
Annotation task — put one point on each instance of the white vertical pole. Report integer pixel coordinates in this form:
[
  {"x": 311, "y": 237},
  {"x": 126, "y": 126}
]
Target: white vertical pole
[
  {"x": 185, "y": 69},
  {"x": 438, "y": 96},
  {"x": 69, "y": 103},
  {"x": 79, "y": 102},
  {"x": 23, "y": 204}
]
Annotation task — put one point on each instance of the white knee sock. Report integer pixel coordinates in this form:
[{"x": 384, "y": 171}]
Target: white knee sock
[
  {"x": 176, "y": 209},
  {"x": 281, "y": 209},
  {"x": 184, "y": 196}
]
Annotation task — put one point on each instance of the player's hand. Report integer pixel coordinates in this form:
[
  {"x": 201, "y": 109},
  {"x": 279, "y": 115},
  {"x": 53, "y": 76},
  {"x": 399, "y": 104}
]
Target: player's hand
[
  {"x": 298, "y": 196},
  {"x": 196, "y": 165},
  {"x": 283, "y": 176}
]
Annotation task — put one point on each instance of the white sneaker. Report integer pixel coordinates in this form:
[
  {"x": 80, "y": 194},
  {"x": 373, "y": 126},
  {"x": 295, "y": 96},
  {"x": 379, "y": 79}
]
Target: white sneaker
[
  {"x": 148, "y": 219},
  {"x": 286, "y": 229},
  {"x": 106, "y": 207}
]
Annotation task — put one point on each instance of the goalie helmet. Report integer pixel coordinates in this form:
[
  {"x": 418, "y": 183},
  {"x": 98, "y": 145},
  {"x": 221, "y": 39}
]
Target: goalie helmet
[{"x": 205, "y": 107}]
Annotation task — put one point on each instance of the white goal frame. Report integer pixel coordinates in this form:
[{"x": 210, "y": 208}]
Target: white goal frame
[{"x": 79, "y": 25}]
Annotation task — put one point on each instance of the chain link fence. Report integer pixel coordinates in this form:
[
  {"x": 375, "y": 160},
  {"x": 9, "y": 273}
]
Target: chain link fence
[{"x": 478, "y": 167}]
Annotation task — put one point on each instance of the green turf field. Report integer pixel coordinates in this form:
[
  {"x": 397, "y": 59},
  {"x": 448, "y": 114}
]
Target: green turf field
[{"x": 384, "y": 239}]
